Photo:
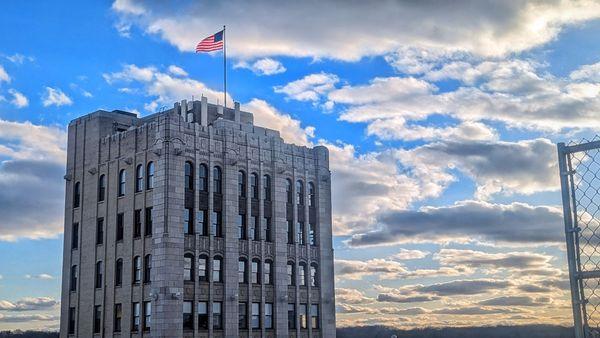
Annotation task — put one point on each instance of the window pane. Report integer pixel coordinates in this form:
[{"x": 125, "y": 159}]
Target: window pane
[{"x": 203, "y": 315}]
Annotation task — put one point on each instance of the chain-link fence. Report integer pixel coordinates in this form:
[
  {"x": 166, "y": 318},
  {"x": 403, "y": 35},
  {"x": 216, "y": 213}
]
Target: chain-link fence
[{"x": 579, "y": 166}]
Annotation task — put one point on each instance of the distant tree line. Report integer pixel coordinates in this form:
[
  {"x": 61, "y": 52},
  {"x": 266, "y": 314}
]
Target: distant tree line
[
  {"x": 28, "y": 334},
  {"x": 525, "y": 331}
]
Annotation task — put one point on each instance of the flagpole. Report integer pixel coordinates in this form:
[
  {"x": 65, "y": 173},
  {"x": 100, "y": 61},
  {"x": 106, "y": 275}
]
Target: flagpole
[{"x": 224, "y": 69}]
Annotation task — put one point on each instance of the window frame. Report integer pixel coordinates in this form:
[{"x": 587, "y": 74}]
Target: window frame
[{"x": 122, "y": 183}]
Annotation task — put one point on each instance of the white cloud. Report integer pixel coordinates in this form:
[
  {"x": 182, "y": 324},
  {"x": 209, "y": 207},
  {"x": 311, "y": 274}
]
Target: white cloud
[
  {"x": 405, "y": 254},
  {"x": 309, "y": 88},
  {"x": 55, "y": 97},
  {"x": 4, "y": 75},
  {"x": 19, "y": 100},
  {"x": 349, "y": 31},
  {"x": 177, "y": 71},
  {"x": 265, "y": 66},
  {"x": 587, "y": 73},
  {"x": 398, "y": 129},
  {"x": 388, "y": 269},
  {"x": 19, "y": 58},
  {"x": 493, "y": 261},
  {"x": 28, "y": 304},
  {"x": 42, "y": 276}
]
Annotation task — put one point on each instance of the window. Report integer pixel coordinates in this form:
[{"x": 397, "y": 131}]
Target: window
[
  {"x": 137, "y": 223},
  {"x": 311, "y": 194},
  {"x": 216, "y": 224},
  {"x": 150, "y": 176},
  {"x": 217, "y": 315},
  {"x": 188, "y": 221},
  {"x": 291, "y": 276},
  {"x": 97, "y": 318},
  {"x": 77, "y": 195},
  {"x": 203, "y": 178},
  {"x": 202, "y": 224},
  {"x": 241, "y": 184},
  {"x": 242, "y": 277},
  {"x": 299, "y": 192},
  {"x": 300, "y": 233},
  {"x": 314, "y": 316},
  {"x": 202, "y": 269},
  {"x": 266, "y": 187},
  {"x": 203, "y": 315},
  {"x": 147, "y": 268},
  {"x": 75, "y": 236},
  {"x": 137, "y": 269},
  {"x": 241, "y": 221},
  {"x": 268, "y": 315},
  {"x": 266, "y": 228},
  {"x": 118, "y": 316},
  {"x": 122, "y": 181},
  {"x": 302, "y": 310},
  {"x": 148, "y": 222},
  {"x": 147, "y": 315},
  {"x": 254, "y": 185},
  {"x": 243, "y": 315},
  {"x": 119, "y": 272},
  {"x": 288, "y": 191},
  {"x": 216, "y": 273},
  {"x": 189, "y": 176},
  {"x": 74, "y": 276},
  {"x": 302, "y": 276},
  {"x": 290, "y": 231},
  {"x": 312, "y": 235},
  {"x": 217, "y": 180},
  {"x": 99, "y": 231},
  {"x": 256, "y": 315},
  {"x": 255, "y": 271},
  {"x": 71, "y": 320},
  {"x": 120, "y": 220},
  {"x": 188, "y": 267},
  {"x": 254, "y": 229},
  {"x": 188, "y": 316},
  {"x": 136, "y": 316},
  {"x": 101, "y": 188},
  {"x": 139, "y": 178},
  {"x": 98, "y": 281},
  {"x": 267, "y": 272},
  {"x": 291, "y": 316},
  {"x": 314, "y": 281}
]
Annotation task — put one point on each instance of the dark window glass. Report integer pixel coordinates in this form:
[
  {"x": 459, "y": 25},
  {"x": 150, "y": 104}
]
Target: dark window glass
[
  {"x": 71, "y": 328},
  {"x": 122, "y": 182},
  {"x": 101, "y": 188},
  {"x": 302, "y": 310},
  {"x": 256, "y": 315},
  {"x": 267, "y": 272},
  {"x": 150, "y": 175},
  {"x": 291, "y": 276},
  {"x": 118, "y": 316},
  {"x": 147, "y": 315},
  {"x": 299, "y": 192},
  {"x": 99, "y": 270},
  {"x": 266, "y": 228},
  {"x": 100, "y": 231},
  {"x": 268, "y": 315},
  {"x": 137, "y": 269},
  {"x": 119, "y": 272},
  {"x": 137, "y": 223},
  {"x": 291, "y": 316},
  {"x": 188, "y": 316},
  {"x": 314, "y": 316},
  {"x": 241, "y": 222},
  {"x": 188, "y": 267},
  {"x": 120, "y": 226},
  {"x": 216, "y": 271},
  {"x": 311, "y": 194},
  {"x": 188, "y": 221},
  {"x": 203, "y": 178},
  {"x": 203, "y": 315},
  {"x": 148, "y": 222},
  {"x": 136, "y": 310},
  {"x": 242, "y": 271},
  {"x": 75, "y": 236},
  {"x": 189, "y": 176},
  {"x": 97, "y": 318},
  {"x": 76, "y": 195},
  {"x": 288, "y": 191},
  {"x": 243, "y": 315},
  {"x": 254, "y": 185},
  {"x": 201, "y": 216},
  {"x": 147, "y": 268},
  {"x": 74, "y": 276},
  {"x": 312, "y": 234},
  {"x": 217, "y": 315},
  {"x": 139, "y": 178},
  {"x": 266, "y": 187},
  {"x": 314, "y": 280},
  {"x": 241, "y": 184},
  {"x": 254, "y": 229},
  {"x": 255, "y": 271},
  {"x": 302, "y": 274},
  {"x": 217, "y": 180},
  {"x": 203, "y": 268},
  {"x": 290, "y": 231},
  {"x": 300, "y": 233},
  {"x": 216, "y": 222}
]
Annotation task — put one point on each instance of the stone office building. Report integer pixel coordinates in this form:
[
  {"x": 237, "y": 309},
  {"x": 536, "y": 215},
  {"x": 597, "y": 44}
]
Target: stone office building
[{"x": 194, "y": 222}]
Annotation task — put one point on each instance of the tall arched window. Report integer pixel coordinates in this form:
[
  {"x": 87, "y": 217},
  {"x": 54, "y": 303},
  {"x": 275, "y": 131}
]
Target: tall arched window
[
  {"x": 216, "y": 269},
  {"x": 266, "y": 187},
  {"x": 137, "y": 269},
  {"x": 139, "y": 178},
  {"x": 122, "y": 181},
  {"x": 267, "y": 279},
  {"x": 242, "y": 275},
  {"x": 302, "y": 274},
  {"x": 314, "y": 278},
  {"x": 203, "y": 177},
  {"x": 256, "y": 271},
  {"x": 119, "y": 272},
  {"x": 188, "y": 267},
  {"x": 291, "y": 273},
  {"x": 101, "y": 188},
  {"x": 150, "y": 175},
  {"x": 147, "y": 268},
  {"x": 241, "y": 183},
  {"x": 254, "y": 185},
  {"x": 203, "y": 268},
  {"x": 76, "y": 195},
  {"x": 299, "y": 192},
  {"x": 189, "y": 176},
  {"x": 288, "y": 191},
  {"x": 217, "y": 180},
  {"x": 311, "y": 194}
]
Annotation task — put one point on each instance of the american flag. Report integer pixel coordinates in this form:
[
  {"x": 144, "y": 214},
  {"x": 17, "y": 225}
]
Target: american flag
[{"x": 211, "y": 43}]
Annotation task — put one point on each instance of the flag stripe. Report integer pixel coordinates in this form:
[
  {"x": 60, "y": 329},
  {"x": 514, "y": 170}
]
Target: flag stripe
[{"x": 211, "y": 43}]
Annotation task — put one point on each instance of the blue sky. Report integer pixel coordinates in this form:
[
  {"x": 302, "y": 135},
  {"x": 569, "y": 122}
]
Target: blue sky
[{"x": 441, "y": 126}]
